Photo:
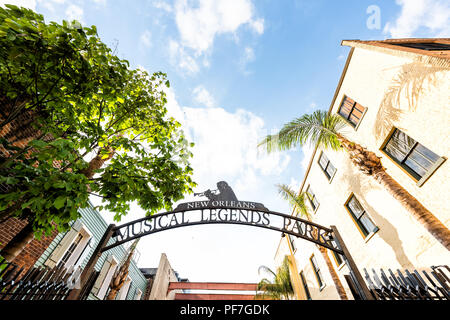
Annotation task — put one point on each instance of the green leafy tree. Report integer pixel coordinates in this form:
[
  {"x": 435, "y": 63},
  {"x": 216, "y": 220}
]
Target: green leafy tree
[
  {"x": 297, "y": 201},
  {"x": 94, "y": 127},
  {"x": 280, "y": 286},
  {"x": 323, "y": 129}
]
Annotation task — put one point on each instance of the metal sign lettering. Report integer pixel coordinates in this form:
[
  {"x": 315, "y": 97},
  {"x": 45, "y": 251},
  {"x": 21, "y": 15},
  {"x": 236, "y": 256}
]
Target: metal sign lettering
[{"x": 223, "y": 208}]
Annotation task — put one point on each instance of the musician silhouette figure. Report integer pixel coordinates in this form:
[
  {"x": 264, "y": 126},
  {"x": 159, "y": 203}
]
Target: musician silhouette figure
[{"x": 225, "y": 193}]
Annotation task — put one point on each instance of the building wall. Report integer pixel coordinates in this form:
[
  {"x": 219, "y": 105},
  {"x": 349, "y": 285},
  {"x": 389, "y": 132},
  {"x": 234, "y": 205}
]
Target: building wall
[
  {"x": 19, "y": 133},
  {"x": 32, "y": 251},
  {"x": 421, "y": 110},
  {"x": 164, "y": 275},
  {"x": 96, "y": 225}
]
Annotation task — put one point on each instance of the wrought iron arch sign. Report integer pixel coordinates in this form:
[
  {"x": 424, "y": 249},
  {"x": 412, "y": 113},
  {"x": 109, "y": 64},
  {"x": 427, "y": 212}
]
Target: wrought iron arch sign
[
  {"x": 224, "y": 212},
  {"x": 222, "y": 207}
]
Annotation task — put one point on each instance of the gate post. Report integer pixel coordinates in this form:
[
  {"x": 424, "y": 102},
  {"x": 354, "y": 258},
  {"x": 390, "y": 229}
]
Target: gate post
[
  {"x": 356, "y": 275},
  {"x": 84, "y": 277}
]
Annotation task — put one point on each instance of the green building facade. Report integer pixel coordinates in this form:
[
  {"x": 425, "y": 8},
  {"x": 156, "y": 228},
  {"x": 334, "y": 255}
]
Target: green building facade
[{"x": 74, "y": 247}]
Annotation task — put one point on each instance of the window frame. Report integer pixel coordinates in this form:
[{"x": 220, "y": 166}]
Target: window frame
[
  {"x": 336, "y": 257},
  {"x": 291, "y": 242},
  {"x": 309, "y": 199},
  {"x": 138, "y": 294},
  {"x": 347, "y": 118},
  {"x": 358, "y": 224},
  {"x": 69, "y": 251},
  {"x": 420, "y": 180},
  {"x": 305, "y": 285},
  {"x": 317, "y": 273},
  {"x": 324, "y": 170}
]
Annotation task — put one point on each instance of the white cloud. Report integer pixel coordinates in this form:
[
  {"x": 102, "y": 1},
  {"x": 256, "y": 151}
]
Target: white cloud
[
  {"x": 202, "y": 96},
  {"x": 226, "y": 145},
  {"x": 432, "y": 16},
  {"x": 145, "y": 38},
  {"x": 249, "y": 54},
  {"x": 258, "y": 25},
  {"x": 30, "y": 4},
  {"x": 313, "y": 106},
  {"x": 162, "y": 5},
  {"x": 100, "y": 2},
  {"x": 200, "y": 22},
  {"x": 247, "y": 57},
  {"x": 181, "y": 59},
  {"x": 294, "y": 184},
  {"x": 307, "y": 151},
  {"x": 198, "y": 26},
  {"x": 74, "y": 12}
]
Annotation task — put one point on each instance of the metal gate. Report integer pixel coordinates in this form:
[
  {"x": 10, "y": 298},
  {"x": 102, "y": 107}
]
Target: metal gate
[{"x": 433, "y": 284}]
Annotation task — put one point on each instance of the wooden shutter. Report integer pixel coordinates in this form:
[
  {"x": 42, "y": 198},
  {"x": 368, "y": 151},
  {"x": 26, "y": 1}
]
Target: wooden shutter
[{"x": 62, "y": 247}]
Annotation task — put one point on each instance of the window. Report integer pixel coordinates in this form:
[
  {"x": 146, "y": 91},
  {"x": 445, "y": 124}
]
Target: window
[
  {"x": 317, "y": 272},
  {"x": 417, "y": 160},
  {"x": 312, "y": 198},
  {"x": 87, "y": 249},
  {"x": 291, "y": 240},
  {"x": 360, "y": 216},
  {"x": 327, "y": 166},
  {"x": 305, "y": 286},
  {"x": 71, "y": 249},
  {"x": 351, "y": 111},
  {"x": 428, "y": 46},
  {"x": 138, "y": 294},
  {"x": 337, "y": 257},
  {"x": 101, "y": 286}
]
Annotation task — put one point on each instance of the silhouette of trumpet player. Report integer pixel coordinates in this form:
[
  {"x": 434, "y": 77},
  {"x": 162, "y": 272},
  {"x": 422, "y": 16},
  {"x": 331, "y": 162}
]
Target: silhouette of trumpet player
[{"x": 224, "y": 193}]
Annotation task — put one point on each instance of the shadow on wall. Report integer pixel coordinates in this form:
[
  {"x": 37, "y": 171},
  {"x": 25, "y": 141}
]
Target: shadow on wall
[
  {"x": 409, "y": 83},
  {"x": 387, "y": 231}
]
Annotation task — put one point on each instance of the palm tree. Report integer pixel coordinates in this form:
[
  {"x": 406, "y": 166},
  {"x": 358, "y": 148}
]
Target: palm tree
[
  {"x": 280, "y": 287},
  {"x": 322, "y": 129},
  {"x": 120, "y": 276},
  {"x": 297, "y": 202}
]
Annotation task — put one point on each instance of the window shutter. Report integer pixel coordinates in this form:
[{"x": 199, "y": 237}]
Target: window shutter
[
  {"x": 101, "y": 277},
  {"x": 64, "y": 244}
]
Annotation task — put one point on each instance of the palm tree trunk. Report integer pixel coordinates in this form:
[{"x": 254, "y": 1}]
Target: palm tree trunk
[
  {"x": 369, "y": 163},
  {"x": 333, "y": 273},
  {"x": 112, "y": 294},
  {"x": 120, "y": 276}
]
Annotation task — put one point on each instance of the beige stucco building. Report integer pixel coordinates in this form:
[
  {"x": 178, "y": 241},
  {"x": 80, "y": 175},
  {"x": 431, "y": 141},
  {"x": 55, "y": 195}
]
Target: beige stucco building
[{"x": 395, "y": 96}]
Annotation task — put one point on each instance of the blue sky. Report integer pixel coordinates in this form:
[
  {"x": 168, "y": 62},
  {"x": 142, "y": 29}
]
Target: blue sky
[{"x": 239, "y": 70}]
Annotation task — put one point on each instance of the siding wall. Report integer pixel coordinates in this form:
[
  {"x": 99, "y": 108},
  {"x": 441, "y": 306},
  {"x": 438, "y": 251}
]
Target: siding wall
[{"x": 96, "y": 225}]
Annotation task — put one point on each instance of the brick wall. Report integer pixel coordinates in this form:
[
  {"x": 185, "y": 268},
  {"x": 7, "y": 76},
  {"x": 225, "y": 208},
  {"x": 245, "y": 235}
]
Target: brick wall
[
  {"x": 19, "y": 132},
  {"x": 28, "y": 257}
]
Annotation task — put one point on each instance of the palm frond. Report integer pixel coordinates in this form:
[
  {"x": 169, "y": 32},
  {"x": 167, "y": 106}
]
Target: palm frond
[
  {"x": 280, "y": 287},
  {"x": 295, "y": 200},
  {"x": 319, "y": 128},
  {"x": 266, "y": 269}
]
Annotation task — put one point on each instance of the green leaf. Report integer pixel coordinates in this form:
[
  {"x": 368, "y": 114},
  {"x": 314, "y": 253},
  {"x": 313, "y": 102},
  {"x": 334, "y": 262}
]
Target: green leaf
[{"x": 59, "y": 202}]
